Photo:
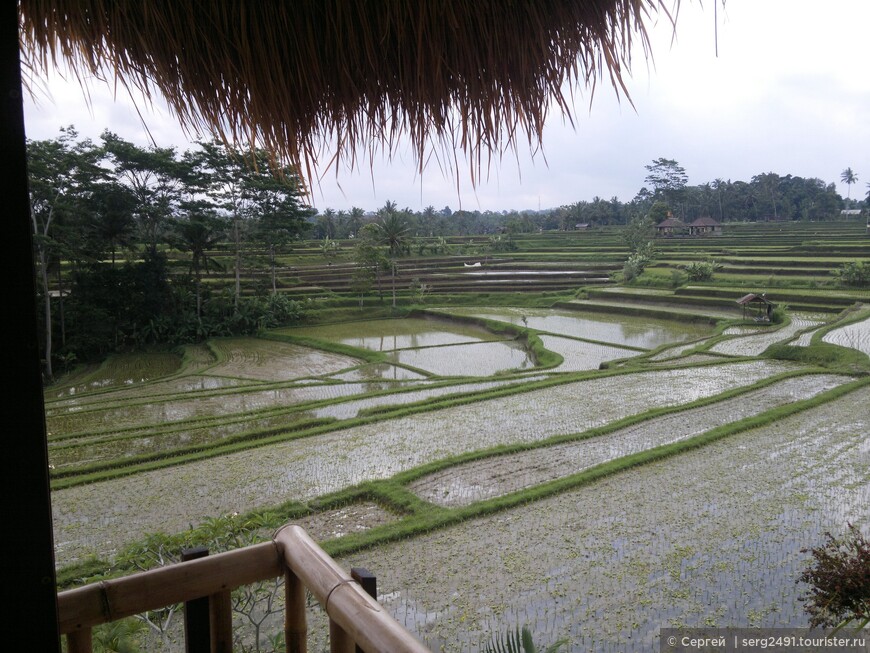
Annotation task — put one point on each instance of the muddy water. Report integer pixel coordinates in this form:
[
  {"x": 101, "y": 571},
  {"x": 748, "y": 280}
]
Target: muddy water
[
  {"x": 465, "y": 484},
  {"x": 711, "y": 537},
  {"x": 646, "y": 333},
  {"x": 387, "y": 335},
  {"x": 99, "y": 517}
]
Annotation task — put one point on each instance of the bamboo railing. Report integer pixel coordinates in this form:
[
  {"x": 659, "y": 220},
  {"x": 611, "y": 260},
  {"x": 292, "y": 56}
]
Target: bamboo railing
[{"x": 355, "y": 618}]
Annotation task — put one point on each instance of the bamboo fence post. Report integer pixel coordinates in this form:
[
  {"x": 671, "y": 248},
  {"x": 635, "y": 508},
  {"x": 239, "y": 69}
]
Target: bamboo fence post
[
  {"x": 339, "y": 640},
  {"x": 221, "y": 613},
  {"x": 369, "y": 582},
  {"x": 355, "y": 617},
  {"x": 79, "y": 641},
  {"x": 295, "y": 627}
]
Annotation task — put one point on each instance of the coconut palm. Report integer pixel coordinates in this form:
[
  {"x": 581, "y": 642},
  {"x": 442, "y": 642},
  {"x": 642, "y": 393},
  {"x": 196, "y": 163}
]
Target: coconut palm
[
  {"x": 393, "y": 232},
  {"x": 199, "y": 234},
  {"x": 848, "y": 177}
]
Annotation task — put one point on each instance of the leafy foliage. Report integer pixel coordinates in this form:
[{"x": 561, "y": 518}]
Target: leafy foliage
[
  {"x": 702, "y": 270},
  {"x": 519, "y": 641},
  {"x": 854, "y": 273},
  {"x": 122, "y": 636},
  {"x": 839, "y": 580}
]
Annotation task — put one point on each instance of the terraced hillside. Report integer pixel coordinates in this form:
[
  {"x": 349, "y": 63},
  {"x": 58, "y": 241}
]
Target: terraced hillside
[{"x": 592, "y": 474}]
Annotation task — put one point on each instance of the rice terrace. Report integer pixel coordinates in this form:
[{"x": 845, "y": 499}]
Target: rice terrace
[{"x": 506, "y": 436}]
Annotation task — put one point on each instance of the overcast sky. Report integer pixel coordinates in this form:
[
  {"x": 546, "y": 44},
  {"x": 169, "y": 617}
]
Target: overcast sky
[{"x": 789, "y": 93}]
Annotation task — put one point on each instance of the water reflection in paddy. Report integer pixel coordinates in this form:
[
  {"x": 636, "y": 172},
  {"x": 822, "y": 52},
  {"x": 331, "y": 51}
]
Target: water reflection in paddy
[
  {"x": 476, "y": 359},
  {"x": 618, "y": 329},
  {"x": 387, "y": 335}
]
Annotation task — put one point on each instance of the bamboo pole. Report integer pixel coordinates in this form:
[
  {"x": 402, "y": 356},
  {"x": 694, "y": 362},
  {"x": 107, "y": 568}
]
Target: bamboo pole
[
  {"x": 361, "y": 617},
  {"x": 110, "y": 600},
  {"x": 295, "y": 627},
  {"x": 339, "y": 640}
]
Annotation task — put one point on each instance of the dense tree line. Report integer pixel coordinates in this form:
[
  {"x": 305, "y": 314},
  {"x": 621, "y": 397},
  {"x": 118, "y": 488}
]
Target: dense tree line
[
  {"x": 766, "y": 196},
  {"x": 104, "y": 216}
]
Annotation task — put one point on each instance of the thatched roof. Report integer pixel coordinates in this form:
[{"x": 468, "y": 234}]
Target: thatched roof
[
  {"x": 305, "y": 77},
  {"x": 706, "y": 221},
  {"x": 752, "y": 298}
]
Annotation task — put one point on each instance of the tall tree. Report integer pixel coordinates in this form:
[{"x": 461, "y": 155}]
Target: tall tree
[
  {"x": 277, "y": 201},
  {"x": 392, "y": 230},
  {"x": 61, "y": 173},
  {"x": 669, "y": 180},
  {"x": 221, "y": 175},
  {"x": 848, "y": 177},
  {"x": 155, "y": 177},
  {"x": 199, "y": 233}
]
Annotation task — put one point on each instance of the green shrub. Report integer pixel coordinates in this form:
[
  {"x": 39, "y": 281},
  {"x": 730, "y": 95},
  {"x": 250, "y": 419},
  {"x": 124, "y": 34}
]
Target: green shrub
[
  {"x": 634, "y": 265},
  {"x": 779, "y": 314},
  {"x": 702, "y": 270},
  {"x": 855, "y": 274},
  {"x": 839, "y": 580}
]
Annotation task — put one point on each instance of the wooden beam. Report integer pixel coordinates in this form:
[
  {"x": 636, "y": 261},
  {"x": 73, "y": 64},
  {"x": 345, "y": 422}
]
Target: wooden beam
[{"x": 29, "y": 583}]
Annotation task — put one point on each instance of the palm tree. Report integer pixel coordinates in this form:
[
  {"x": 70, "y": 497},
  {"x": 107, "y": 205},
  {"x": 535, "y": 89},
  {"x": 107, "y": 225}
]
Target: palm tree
[
  {"x": 393, "y": 231},
  {"x": 199, "y": 234},
  {"x": 848, "y": 177}
]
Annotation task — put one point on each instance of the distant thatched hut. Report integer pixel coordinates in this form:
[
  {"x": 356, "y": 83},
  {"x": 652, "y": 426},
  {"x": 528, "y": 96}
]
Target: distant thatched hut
[{"x": 757, "y": 307}]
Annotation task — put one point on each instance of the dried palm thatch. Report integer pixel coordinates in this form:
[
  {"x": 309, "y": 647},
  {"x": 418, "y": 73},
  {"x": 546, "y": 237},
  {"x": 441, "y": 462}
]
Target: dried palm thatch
[{"x": 308, "y": 77}]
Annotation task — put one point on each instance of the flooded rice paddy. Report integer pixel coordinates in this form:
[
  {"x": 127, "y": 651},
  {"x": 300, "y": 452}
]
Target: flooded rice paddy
[
  {"x": 474, "y": 359},
  {"x": 855, "y": 336},
  {"x": 265, "y": 360},
  {"x": 755, "y": 344},
  {"x": 490, "y": 477},
  {"x": 97, "y": 518},
  {"x": 580, "y": 355},
  {"x": 388, "y": 335},
  {"x": 708, "y": 538},
  {"x": 645, "y": 333}
]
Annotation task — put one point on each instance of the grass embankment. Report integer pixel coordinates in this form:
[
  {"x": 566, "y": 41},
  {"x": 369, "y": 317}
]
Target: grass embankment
[{"x": 825, "y": 354}]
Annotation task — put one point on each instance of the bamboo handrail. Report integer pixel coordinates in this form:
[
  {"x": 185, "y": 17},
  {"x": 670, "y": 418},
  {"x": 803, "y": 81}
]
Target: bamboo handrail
[
  {"x": 354, "y": 616},
  {"x": 362, "y": 618},
  {"x": 118, "y": 598}
]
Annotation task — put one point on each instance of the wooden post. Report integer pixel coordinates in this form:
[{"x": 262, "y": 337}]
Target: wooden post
[
  {"x": 339, "y": 640},
  {"x": 221, "y": 605},
  {"x": 295, "y": 627},
  {"x": 197, "y": 633},
  {"x": 80, "y": 641},
  {"x": 29, "y": 583},
  {"x": 369, "y": 582}
]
